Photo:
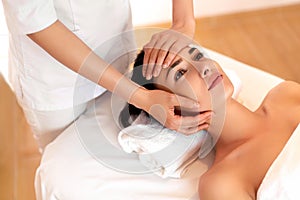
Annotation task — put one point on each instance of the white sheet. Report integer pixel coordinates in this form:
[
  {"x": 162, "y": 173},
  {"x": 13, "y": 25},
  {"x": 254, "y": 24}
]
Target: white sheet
[
  {"x": 283, "y": 178},
  {"x": 71, "y": 171},
  {"x": 85, "y": 162}
]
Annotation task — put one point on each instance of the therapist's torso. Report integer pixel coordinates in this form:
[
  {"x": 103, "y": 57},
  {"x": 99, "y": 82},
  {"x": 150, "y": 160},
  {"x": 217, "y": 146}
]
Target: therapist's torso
[{"x": 42, "y": 83}]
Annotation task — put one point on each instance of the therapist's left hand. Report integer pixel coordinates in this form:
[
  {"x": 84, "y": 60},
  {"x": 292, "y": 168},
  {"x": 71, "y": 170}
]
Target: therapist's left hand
[{"x": 163, "y": 47}]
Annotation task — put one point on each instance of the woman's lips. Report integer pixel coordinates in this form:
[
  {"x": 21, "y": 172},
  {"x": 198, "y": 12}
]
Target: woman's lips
[{"x": 216, "y": 80}]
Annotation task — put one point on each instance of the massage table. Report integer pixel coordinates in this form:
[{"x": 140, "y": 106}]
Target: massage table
[
  {"x": 86, "y": 162},
  {"x": 74, "y": 166}
]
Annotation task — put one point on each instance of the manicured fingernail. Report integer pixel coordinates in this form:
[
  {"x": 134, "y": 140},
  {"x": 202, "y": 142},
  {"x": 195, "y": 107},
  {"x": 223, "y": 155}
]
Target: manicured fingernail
[
  {"x": 157, "y": 72},
  {"x": 144, "y": 71},
  {"x": 165, "y": 65},
  {"x": 148, "y": 77}
]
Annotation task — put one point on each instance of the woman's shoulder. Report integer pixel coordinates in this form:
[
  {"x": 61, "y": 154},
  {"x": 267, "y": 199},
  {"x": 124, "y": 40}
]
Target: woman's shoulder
[
  {"x": 287, "y": 90},
  {"x": 285, "y": 97},
  {"x": 290, "y": 86}
]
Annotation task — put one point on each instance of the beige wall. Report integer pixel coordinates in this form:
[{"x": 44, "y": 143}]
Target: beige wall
[
  {"x": 157, "y": 11},
  {"x": 3, "y": 43}
]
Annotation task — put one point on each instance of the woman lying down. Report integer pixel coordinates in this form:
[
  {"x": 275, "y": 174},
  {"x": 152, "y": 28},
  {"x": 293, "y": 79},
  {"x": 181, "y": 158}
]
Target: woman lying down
[{"x": 245, "y": 143}]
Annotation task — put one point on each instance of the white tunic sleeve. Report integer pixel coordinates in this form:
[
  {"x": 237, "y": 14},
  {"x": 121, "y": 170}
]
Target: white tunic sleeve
[{"x": 24, "y": 17}]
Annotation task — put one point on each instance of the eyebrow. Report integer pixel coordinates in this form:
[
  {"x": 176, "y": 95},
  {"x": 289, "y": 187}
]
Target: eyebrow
[
  {"x": 173, "y": 65},
  {"x": 198, "y": 56},
  {"x": 192, "y": 50}
]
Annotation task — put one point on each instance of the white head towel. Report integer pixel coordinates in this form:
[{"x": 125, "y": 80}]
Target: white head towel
[{"x": 163, "y": 151}]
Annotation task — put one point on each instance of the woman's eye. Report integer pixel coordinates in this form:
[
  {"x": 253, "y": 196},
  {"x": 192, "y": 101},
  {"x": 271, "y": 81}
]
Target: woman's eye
[
  {"x": 179, "y": 74},
  {"x": 198, "y": 56}
]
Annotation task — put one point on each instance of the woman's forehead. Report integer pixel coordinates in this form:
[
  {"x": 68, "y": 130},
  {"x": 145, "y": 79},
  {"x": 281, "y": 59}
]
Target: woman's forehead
[{"x": 189, "y": 54}]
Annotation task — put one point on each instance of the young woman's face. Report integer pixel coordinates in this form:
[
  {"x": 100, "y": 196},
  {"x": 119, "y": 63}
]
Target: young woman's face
[{"x": 196, "y": 77}]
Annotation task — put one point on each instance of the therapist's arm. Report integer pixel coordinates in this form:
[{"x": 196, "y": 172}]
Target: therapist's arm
[
  {"x": 68, "y": 49},
  {"x": 164, "y": 46},
  {"x": 183, "y": 18}
]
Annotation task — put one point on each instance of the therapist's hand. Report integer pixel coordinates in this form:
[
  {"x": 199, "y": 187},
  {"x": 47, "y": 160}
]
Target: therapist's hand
[
  {"x": 161, "y": 104},
  {"x": 163, "y": 47}
]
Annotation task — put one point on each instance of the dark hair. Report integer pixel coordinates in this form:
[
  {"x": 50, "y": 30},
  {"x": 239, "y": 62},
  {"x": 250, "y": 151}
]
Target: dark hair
[{"x": 129, "y": 113}]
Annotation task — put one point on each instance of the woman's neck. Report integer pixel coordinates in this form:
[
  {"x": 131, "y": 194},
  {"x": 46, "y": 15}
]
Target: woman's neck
[{"x": 238, "y": 124}]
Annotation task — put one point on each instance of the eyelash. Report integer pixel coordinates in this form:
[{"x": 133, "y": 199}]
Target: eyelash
[{"x": 179, "y": 74}]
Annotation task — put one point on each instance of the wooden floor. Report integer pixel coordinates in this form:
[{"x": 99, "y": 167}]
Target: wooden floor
[
  {"x": 18, "y": 152},
  {"x": 269, "y": 40}
]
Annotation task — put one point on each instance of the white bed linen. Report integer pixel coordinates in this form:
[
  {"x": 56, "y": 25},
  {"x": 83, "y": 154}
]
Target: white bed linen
[
  {"x": 69, "y": 171},
  {"x": 283, "y": 178}
]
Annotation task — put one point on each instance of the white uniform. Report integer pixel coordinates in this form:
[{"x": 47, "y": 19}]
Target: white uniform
[{"x": 43, "y": 86}]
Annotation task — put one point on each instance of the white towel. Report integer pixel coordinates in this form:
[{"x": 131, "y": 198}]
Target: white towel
[
  {"x": 165, "y": 152},
  {"x": 283, "y": 178}
]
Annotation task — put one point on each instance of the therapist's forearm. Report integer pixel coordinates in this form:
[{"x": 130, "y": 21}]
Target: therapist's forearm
[
  {"x": 183, "y": 16},
  {"x": 72, "y": 52},
  {"x": 62, "y": 44}
]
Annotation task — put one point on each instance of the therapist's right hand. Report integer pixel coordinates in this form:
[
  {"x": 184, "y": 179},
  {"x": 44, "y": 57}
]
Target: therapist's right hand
[{"x": 161, "y": 105}]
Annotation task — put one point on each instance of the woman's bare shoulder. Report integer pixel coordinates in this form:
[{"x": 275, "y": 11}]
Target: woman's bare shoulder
[
  {"x": 290, "y": 86},
  {"x": 287, "y": 90},
  {"x": 285, "y": 97}
]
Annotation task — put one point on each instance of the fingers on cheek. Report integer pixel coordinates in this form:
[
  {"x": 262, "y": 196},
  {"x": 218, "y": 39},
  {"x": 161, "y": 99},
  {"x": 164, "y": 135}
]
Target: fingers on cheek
[
  {"x": 180, "y": 127},
  {"x": 174, "y": 124},
  {"x": 188, "y": 131},
  {"x": 205, "y": 119},
  {"x": 195, "y": 127},
  {"x": 204, "y": 126}
]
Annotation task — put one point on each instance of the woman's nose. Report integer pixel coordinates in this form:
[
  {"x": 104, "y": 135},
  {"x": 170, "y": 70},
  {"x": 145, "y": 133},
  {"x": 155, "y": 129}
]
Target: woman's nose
[{"x": 204, "y": 69}]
